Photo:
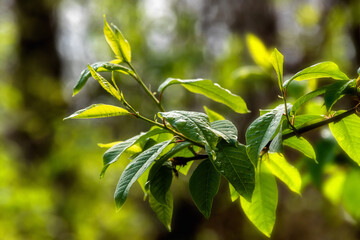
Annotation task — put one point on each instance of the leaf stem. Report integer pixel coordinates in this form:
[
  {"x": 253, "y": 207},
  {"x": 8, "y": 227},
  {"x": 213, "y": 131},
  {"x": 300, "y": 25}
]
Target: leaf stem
[{"x": 137, "y": 77}]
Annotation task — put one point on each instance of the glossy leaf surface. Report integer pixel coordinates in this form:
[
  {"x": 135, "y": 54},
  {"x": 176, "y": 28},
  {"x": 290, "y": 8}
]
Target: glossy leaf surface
[
  {"x": 226, "y": 130},
  {"x": 302, "y": 145}
]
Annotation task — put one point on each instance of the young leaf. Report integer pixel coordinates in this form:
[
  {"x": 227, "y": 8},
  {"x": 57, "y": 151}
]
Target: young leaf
[
  {"x": 114, "y": 153},
  {"x": 211, "y": 90},
  {"x": 307, "y": 97},
  {"x": 334, "y": 92},
  {"x": 98, "y": 111},
  {"x": 105, "y": 84},
  {"x": 258, "y": 51},
  {"x": 163, "y": 211},
  {"x": 288, "y": 174},
  {"x": 233, "y": 163},
  {"x": 261, "y": 211},
  {"x": 302, "y": 145},
  {"x": 111, "y": 39},
  {"x": 124, "y": 45},
  {"x": 160, "y": 183},
  {"x": 277, "y": 61},
  {"x": 226, "y": 130},
  {"x": 234, "y": 195},
  {"x": 347, "y": 132},
  {"x": 213, "y": 116},
  {"x": 320, "y": 70},
  {"x": 261, "y": 131},
  {"x": 204, "y": 184},
  {"x": 194, "y": 125},
  {"x": 134, "y": 170},
  {"x": 99, "y": 67}
]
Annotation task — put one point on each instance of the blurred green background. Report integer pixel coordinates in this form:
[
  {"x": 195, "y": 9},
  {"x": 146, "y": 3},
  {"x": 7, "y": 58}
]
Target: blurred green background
[{"x": 49, "y": 168}]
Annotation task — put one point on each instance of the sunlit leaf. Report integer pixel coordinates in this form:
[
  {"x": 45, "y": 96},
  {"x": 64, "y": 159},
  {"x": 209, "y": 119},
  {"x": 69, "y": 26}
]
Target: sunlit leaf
[
  {"x": 112, "y": 40},
  {"x": 105, "y": 84},
  {"x": 334, "y": 92},
  {"x": 307, "y": 97},
  {"x": 213, "y": 116},
  {"x": 351, "y": 193},
  {"x": 99, "y": 67},
  {"x": 320, "y": 70},
  {"x": 124, "y": 44},
  {"x": 347, "y": 132},
  {"x": 204, "y": 184},
  {"x": 333, "y": 186},
  {"x": 233, "y": 163},
  {"x": 261, "y": 211},
  {"x": 211, "y": 90},
  {"x": 134, "y": 170},
  {"x": 163, "y": 211},
  {"x": 287, "y": 173},
  {"x": 98, "y": 111},
  {"x": 277, "y": 61},
  {"x": 258, "y": 51},
  {"x": 261, "y": 131},
  {"x": 302, "y": 145},
  {"x": 234, "y": 195}
]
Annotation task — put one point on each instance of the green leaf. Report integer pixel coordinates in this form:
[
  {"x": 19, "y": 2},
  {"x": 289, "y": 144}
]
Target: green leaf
[
  {"x": 261, "y": 131},
  {"x": 258, "y": 51},
  {"x": 320, "y": 70},
  {"x": 347, "y": 132},
  {"x": 211, "y": 90},
  {"x": 234, "y": 195},
  {"x": 226, "y": 130},
  {"x": 277, "y": 61},
  {"x": 307, "y": 97},
  {"x": 213, "y": 116},
  {"x": 163, "y": 211},
  {"x": 98, "y": 111},
  {"x": 351, "y": 193},
  {"x": 112, "y": 40},
  {"x": 124, "y": 45},
  {"x": 134, "y": 170},
  {"x": 105, "y": 84},
  {"x": 160, "y": 182},
  {"x": 99, "y": 67},
  {"x": 261, "y": 211},
  {"x": 204, "y": 184},
  {"x": 303, "y": 120},
  {"x": 233, "y": 163},
  {"x": 276, "y": 144},
  {"x": 334, "y": 92},
  {"x": 287, "y": 173},
  {"x": 194, "y": 125},
  {"x": 333, "y": 186},
  {"x": 302, "y": 145},
  {"x": 114, "y": 153}
]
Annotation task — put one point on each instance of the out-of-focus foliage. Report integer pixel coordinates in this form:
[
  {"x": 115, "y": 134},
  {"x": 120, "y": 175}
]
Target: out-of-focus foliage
[{"x": 60, "y": 196}]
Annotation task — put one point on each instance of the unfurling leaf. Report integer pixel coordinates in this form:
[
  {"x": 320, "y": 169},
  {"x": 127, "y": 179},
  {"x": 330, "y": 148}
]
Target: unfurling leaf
[{"x": 98, "y": 111}]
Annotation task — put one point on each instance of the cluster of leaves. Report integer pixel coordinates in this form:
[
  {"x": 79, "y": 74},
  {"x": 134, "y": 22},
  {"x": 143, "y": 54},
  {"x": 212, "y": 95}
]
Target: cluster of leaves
[{"x": 178, "y": 138}]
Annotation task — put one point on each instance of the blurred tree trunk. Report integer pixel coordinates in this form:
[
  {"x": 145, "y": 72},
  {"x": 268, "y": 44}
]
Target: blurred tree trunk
[{"x": 37, "y": 76}]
